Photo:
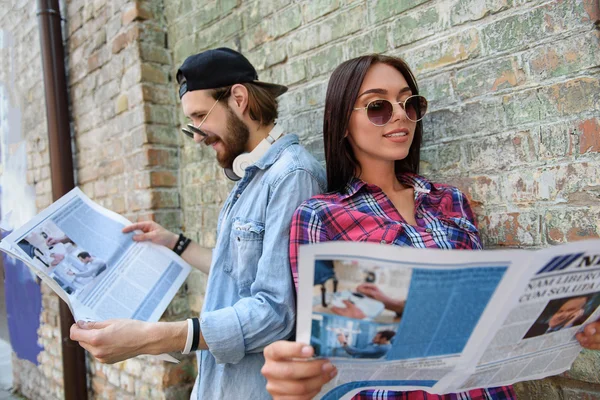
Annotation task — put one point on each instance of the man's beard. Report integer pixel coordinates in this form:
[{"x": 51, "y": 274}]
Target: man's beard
[{"x": 237, "y": 138}]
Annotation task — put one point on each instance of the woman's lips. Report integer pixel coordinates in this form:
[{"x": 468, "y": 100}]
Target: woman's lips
[{"x": 397, "y": 136}]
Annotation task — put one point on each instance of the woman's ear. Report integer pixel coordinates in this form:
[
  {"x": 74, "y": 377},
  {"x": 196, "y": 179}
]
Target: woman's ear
[{"x": 239, "y": 98}]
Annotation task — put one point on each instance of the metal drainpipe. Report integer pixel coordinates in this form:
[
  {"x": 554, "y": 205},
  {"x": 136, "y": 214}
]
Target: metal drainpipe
[{"x": 61, "y": 169}]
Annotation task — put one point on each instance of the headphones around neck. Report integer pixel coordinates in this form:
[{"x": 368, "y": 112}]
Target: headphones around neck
[{"x": 245, "y": 160}]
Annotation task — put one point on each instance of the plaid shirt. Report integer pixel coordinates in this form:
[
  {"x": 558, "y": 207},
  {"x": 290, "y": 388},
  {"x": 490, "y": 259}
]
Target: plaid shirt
[{"x": 363, "y": 213}]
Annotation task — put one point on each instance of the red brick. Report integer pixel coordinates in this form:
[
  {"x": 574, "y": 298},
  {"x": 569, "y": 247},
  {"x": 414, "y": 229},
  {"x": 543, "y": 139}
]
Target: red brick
[
  {"x": 580, "y": 233},
  {"x": 154, "y": 74},
  {"x": 574, "y": 96},
  {"x": 571, "y": 224},
  {"x": 160, "y": 157},
  {"x": 146, "y": 216},
  {"x": 590, "y": 136},
  {"x": 123, "y": 39},
  {"x": 109, "y": 168},
  {"x": 165, "y": 199},
  {"x": 592, "y": 8},
  {"x": 546, "y": 60},
  {"x": 163, "y": 179},
  {"x": 510, "y": 229},
  {"x": 96, "y": 60},
  {"x": 119, "y": 42},
  {"x": 158, "y": 94},
  {"x": 136, "y": 12},
  {"x": 117, "y": 204}
]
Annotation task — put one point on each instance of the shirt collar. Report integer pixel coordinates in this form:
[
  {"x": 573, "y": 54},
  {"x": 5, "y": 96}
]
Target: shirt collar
[
  {"x": 419, "y": 183},
  {"x": 275, "y": 150}
]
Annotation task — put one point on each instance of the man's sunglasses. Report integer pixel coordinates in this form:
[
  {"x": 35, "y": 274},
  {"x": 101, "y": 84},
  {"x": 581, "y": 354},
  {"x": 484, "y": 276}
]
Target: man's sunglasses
[
  {"x": 380, "y": 112},
  {"x": 191, "y": 129}
]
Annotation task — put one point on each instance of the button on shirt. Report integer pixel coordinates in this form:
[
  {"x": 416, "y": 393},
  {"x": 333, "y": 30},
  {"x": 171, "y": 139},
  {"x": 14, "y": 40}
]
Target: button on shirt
[
  {"x": 249, "y": 302},
  {"x": 363, "y": 213}
]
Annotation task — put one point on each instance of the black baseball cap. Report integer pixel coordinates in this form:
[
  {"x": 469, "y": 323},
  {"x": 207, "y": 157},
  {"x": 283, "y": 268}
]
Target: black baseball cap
[{"x": 218, "y": 68}]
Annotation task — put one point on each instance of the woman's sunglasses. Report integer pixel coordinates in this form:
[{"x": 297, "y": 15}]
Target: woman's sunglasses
[{"x": 380, "y": 112}]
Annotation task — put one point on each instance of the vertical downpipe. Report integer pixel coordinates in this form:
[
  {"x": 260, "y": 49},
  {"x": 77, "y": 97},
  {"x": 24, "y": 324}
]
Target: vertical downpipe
[{"x": 61, "y": 170}]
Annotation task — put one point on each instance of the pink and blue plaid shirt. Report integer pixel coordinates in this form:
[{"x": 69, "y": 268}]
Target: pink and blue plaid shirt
[{"x": 363, "y": 213}]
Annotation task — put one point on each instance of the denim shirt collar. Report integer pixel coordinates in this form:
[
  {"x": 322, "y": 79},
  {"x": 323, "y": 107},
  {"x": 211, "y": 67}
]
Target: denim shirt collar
[{"x": 275, "y": 151}]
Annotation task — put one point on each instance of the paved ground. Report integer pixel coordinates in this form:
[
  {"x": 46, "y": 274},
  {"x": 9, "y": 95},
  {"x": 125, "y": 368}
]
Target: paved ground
[{"x": 5, "y": 371}]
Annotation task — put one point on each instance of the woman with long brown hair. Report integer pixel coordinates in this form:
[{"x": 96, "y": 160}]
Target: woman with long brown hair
[{"x": 372, "y": 133}]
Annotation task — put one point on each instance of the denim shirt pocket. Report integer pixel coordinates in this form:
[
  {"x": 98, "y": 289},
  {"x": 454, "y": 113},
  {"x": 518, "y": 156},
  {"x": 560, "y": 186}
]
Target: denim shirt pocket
[{"x": 246, "y": 243}]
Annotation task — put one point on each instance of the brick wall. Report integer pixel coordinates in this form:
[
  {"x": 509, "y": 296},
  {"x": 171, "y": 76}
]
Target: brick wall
[
  {"x": 126, "y": 158},
  {"x": 514, "y": 122},
  {"x": 124, "y": 113},
  {"x": 515, "y": 100}
]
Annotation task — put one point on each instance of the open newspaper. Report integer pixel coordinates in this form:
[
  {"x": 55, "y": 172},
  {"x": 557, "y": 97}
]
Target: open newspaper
[
  {"x": 77, "y": 248},
  {"x": 444, "y": 321}
]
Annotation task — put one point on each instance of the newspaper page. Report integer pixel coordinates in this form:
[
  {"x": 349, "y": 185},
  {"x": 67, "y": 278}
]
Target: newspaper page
[
  {"x": 78, "y": 249},
  {"x": 537, "y": 339},
  {"x": 427, "y": 316}
]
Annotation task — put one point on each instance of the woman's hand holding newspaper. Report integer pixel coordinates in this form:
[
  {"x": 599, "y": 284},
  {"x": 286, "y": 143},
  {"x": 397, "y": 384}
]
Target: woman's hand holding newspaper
[
  {"x": 291, "y": 375},
  {"x": 589, "y": 338}
]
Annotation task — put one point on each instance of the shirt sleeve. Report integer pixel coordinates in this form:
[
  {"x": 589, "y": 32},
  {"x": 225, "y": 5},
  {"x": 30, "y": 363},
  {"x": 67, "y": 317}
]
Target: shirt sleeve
[
  {"x": 269, "y": 313},
  {"x": 306, "y": 228},
  {"x": 462, "y": 207}
]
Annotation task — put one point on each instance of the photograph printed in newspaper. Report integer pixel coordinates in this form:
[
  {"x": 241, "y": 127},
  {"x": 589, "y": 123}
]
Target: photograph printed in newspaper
[{"x": 444, "y": 321}]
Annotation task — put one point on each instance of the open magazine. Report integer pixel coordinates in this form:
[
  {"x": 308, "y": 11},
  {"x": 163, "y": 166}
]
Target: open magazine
[
  {"x": 444, "y": 321},
  {"x": 77, "y": 248}
]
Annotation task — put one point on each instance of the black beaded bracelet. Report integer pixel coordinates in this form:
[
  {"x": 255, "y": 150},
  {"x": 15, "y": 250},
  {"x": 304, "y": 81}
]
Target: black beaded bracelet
[
  {"x": 181, "y": 245},
  {"x": 196, "y": 337}
]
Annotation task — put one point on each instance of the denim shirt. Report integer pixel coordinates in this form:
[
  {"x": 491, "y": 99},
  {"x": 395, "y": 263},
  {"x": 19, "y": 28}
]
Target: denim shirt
[{"x": 250, "y": 300}]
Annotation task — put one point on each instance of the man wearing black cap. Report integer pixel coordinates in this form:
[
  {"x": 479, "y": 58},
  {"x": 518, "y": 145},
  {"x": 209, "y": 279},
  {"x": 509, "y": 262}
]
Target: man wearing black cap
[{"x": 249, "y": 302}]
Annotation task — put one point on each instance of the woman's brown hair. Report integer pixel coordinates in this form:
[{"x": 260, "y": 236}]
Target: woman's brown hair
[{"x": 342, "y": 92}]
